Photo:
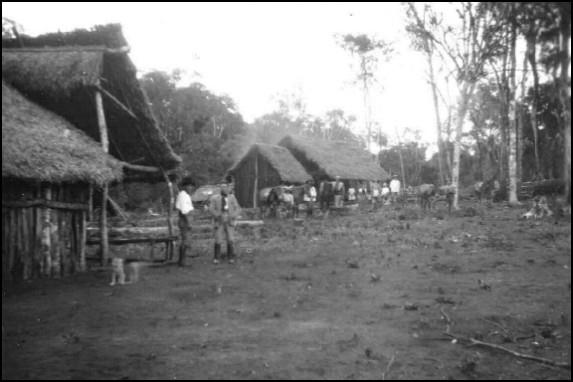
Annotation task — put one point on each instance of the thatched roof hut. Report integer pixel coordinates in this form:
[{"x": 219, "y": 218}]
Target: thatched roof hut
[
  {"x": 48, "y": 166},
  {"x": 324, "y": 160},
  {"x": 264, "y": 166},
  {"x": 63, "y": 79},
  {"x": 87, "y": 78},
  {"x": 38, "y": 145}
]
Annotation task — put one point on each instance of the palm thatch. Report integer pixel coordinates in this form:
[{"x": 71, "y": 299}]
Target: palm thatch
[
  {"x": 64, "y": 78},
  {"x": 38, "y": 145},
  {"x": 280, "y": 159},
  {"x": 328, "y": 159}
]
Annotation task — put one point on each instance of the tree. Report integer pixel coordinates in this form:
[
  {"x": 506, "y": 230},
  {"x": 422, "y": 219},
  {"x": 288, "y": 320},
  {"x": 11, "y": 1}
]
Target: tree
[
  {"x": 367, "y": 49},
  {"x": 564, "y": 17},
  {"x": 198, "y": 124},
  {"x": 467, "y": 46},
  {"x": 422, "y": 41},
  {"x": 10, "y": 29}
]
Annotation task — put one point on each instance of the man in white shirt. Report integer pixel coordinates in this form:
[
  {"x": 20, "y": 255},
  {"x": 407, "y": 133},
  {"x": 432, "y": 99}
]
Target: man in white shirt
[
  {"x": 394, "y": 188},
  {"x": 184, "y": 206}
]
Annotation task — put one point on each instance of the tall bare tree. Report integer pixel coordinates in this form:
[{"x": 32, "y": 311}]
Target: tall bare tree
[
  {"x": 368, "y": 49},
  {"x": 422, "y": 41},
  {"x": 467, "y": 45},
  {"x": 564, "y": 17}
]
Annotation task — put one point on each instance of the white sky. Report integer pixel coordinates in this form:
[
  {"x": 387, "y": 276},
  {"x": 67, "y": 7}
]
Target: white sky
[{"x": 254, "y": 51}]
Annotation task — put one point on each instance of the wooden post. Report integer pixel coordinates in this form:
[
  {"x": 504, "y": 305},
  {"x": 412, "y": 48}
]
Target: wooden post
[
  {"x": 169, "y": 254},
  {"x": 83, "y": 237},
  {"x": 256, "y": 186},
  {"x": 105, "y": 189},
  {"x": 46, "y": 235},
  {"x": 90, "y": 202}
]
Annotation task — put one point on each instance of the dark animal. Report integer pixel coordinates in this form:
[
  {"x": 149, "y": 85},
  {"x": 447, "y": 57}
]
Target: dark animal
[
  {"x": 325, "y": 195},
  {"x": 486, "y": 189},
  {"x": 298, "y": 198},
  {"x": 447, "y": 193},
  {"x": 426, "y": 193},
  {"x": 429, "y": 195},
  {"x": 269, "y": 201},
  {"x": 279, "y": 198}
]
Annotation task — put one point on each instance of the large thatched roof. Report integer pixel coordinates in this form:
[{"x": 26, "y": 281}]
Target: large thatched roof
[
  {"x": 40, "y": 145},
  {"x": 328, "y": 159},
  {"x": 284, "y": 163},
  {"x": 64, "y": 78}
]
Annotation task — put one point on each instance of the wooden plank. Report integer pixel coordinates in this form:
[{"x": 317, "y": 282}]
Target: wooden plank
[
  {"x": 44, "y": 203},
  {"x": 135, "y": 240}
]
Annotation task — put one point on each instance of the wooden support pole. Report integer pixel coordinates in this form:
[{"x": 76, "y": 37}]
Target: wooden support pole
[
  {"x": 256, "y": 186},
  {"x": 105, "y": 189},
  {"x": 90, "y": 216},
  {"x": 82, "y": 241},
  {"x": 46, "y": 234},
  {"x": 169, "y": 254},
  {"x": 116, "y": 102}
]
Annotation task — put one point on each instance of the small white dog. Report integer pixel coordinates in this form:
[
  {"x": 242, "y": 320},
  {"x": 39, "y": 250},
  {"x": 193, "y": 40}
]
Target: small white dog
[{"x": 123, "y": 272}]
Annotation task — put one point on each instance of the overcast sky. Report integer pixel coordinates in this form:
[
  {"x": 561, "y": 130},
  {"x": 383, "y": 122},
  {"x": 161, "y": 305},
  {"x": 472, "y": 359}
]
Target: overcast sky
[{"x": 256, "y": 51}]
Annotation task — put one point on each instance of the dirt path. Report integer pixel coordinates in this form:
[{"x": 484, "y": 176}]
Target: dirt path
[{"x": 340, "y": 299}]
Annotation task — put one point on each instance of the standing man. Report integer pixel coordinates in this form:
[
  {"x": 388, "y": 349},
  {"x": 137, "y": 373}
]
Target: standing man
[
  {"x": 225, "y": 210},
  {"x": 184, "y": 205},
  {"x": 394, "y": 188},
  {"x": 338, "y": 192},
  {"x": 309, "y": 196}
]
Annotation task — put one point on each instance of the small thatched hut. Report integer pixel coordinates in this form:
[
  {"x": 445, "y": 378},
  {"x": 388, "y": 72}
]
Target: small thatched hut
[
  {"x": 47, "y": 165},
  {"x": 264, "y": 166},
  {"x": 87, "y": 78},
  {"x": 324, "y": 160}
]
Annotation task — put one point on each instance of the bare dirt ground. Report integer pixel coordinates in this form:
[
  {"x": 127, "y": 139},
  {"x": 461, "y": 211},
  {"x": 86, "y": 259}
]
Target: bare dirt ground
[{"x": 361, "y": 296}]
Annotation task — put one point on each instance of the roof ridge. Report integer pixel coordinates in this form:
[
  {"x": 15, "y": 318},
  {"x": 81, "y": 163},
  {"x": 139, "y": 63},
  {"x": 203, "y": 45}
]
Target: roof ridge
[{"x": 71, "y": 48}]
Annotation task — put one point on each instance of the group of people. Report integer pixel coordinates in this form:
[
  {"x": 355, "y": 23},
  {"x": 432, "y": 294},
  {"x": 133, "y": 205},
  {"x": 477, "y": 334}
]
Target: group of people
[
  {"x": 223, "y": 208},
  {"x": 386, "y": 193}
]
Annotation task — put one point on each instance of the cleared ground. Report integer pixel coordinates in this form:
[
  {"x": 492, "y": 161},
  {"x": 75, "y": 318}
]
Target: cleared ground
[{"x": 360, "y": 296}]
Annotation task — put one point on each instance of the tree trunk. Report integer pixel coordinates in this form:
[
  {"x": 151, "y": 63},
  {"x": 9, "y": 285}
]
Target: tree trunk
[
  {"x": 465, "y": 95},
  {"x": 512, "y": 136},
  {"x": 437, "y": 115},
  {"x": 521, "y": 120},
  {"x": 531, "y": 56},
  {"x": 565, "y": 91}
]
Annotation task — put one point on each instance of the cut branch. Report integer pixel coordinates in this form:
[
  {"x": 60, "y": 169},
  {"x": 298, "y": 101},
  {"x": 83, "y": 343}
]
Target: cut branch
[{"x": 473, "y": 342}]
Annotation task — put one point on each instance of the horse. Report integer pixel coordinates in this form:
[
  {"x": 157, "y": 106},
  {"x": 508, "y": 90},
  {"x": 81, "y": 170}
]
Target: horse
[
  {"x": 425, "y": 194},
  {"x": 268, "y": 201},
  {"x": 486, "y": 189},
  {"x": 273, "y": 199},
  {"x": 429, "y": 194},
  {"x": 447, "y": 192}
]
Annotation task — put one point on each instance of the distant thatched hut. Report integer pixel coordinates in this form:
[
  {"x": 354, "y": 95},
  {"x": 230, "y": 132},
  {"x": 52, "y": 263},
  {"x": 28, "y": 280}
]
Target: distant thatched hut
[
  {"x": 87, "y": 78},
  {"x": 264, "y": 166},
  {"x": 47, "y": 165},
  {"x": 324, "y": 160}
]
